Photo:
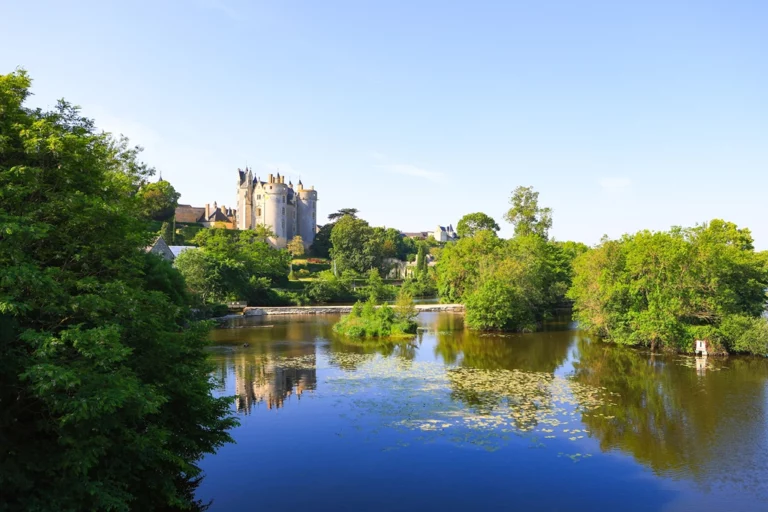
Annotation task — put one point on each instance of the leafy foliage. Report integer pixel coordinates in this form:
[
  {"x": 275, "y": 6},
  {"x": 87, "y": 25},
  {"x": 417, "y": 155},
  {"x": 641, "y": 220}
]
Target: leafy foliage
[
  {"x": 526, "y": 214},
  {"x": 296, "y": 247},
  {"x": 666, "y": 289},
  {"x": 106, "y": 399},
  {"x": 233, "y": 265},
  {"x": 369, "y": 321},
  {"x": 355, "y": 245},
  {"x": 505, "y": 284},
  {"x": 166, "y": 231},
  {"x": 158, "y": 200},
  {"x": 471, "y": 223}
]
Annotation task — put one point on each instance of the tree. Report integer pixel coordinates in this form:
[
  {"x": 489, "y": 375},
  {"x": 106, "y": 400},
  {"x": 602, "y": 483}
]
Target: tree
[
  {"x": 421, "y": 260},
  {"x": 104, "y": 380},
  {"x": 158, "y": 200},
  {"x": 354, "y": 245},
  {"x": 296, "y": 247},
  {"x": 233, "y": 265},
  {"x": 474, "y": 222},
  {"x": 166, "y": 231},
  {"x": 375, "y": 286},
  {"x": 321, "y": 245},
  {"x": 263, "y": 233},
  {"x": 351, "y": 212},
  {"x": 526, "y": 214},
  {"x": 667, "y": 289}
]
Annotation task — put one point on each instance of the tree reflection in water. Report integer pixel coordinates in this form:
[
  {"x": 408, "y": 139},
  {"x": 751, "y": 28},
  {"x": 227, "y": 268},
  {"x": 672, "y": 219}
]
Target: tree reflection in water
[{"x": 706, "y": 426}]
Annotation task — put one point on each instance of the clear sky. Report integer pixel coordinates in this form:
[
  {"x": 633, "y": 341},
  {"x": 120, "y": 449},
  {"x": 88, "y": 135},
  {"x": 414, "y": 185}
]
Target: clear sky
[{"x": 623, "y": 115}]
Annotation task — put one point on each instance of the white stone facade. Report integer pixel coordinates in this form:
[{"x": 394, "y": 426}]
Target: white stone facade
[{"x": 273, "y": 203}]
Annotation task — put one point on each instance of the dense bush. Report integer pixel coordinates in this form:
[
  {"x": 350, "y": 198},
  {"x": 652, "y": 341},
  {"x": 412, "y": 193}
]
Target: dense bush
[
  {"x": 667, "y": 289},
  {"x": 233, "y": 265},
  {"x": 369, "y": 321},
  {"x": 105, "y": 397},
  {"x": 328, "y": 289},
  {"x": 506, "y": 284}
]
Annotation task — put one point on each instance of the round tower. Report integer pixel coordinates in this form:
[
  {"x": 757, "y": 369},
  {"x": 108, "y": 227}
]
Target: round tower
[
  {"x": 275, "y": 204},
  {"x": 306, "y": 210}
]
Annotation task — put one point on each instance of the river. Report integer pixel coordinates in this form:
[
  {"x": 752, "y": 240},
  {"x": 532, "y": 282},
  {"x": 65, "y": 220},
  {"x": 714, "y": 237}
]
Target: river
[{"x": 458, "y": 420}]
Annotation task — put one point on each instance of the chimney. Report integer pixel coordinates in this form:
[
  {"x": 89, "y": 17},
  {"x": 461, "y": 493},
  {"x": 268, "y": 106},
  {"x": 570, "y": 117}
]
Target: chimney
[
  {"x": 207, "y": 211},
  {"x": 271, "y": 178},
  {"x": 282, "y": 178}
]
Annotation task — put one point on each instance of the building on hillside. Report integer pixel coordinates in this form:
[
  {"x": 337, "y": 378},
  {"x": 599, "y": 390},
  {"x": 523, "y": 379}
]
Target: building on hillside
[
  {"x": 445, "y": 234},
  {"x": 417, "y": 235},
  {"x": 160, "y": 248},
  {"x": 216, "y": 217},
  {"x": 441, "y": 234},
  {"x": 273, "y": 203}
]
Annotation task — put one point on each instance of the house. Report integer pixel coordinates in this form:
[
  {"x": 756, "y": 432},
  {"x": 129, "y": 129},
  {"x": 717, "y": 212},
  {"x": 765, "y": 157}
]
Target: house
[
  {"x": 445, "y": 234},
  {"x": 216, "y": 217},
  {"x": 160, "y": 248}
]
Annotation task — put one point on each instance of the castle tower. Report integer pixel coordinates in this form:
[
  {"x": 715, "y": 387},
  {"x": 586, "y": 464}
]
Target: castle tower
[
  {"x": 306, "y": 210},
  {"x": 275, "y": 206},
  {"x": 244, "y": 200},
  {"x": 286, "y": 210}
]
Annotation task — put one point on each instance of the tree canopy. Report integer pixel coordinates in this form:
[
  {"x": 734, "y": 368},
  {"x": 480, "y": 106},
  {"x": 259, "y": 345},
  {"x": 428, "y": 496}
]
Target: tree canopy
[
  {"x": 104, "y": 382},
  {"x": 355, "y": 245},
  {"x": 526, "y": 215},
  {"x": 158, "y": 200},
  {"x": 471, "y": 223},
  {"x": 667, "y": 289},
  {"x": 233, "y": 265}
]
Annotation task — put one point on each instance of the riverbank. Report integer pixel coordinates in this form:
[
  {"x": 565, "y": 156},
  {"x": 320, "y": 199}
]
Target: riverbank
[{"x": 324, "y": 310}]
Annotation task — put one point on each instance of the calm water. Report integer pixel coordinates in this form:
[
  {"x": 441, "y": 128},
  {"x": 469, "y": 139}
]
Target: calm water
[{"x": 460, "y": 421}]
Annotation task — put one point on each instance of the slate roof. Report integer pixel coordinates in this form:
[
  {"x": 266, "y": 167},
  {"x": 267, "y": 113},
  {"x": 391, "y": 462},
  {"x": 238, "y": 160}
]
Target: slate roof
[
  {"x": 178, "y": 249},
  {"x": 187, "y": 214}
]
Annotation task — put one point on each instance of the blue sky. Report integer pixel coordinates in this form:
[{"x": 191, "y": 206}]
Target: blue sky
[{"x": 623, "y": 115}]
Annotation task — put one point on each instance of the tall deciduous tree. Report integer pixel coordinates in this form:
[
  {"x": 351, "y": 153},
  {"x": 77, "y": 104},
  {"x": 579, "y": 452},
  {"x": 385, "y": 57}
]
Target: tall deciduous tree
[
  {"x": 666, "y": 289},
  {"x": 474, "y": 222},
  {"x": 104, "y": 382},
  {"x": 354, "y": 245},
  {"x": 158, "y": 200},
  {"x": 526, "y": 214},
  {"x": 296, "y": 247}
]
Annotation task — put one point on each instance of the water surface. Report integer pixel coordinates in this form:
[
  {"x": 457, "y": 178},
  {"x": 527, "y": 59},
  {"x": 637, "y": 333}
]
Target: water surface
[{"x": 457, "y": 420}]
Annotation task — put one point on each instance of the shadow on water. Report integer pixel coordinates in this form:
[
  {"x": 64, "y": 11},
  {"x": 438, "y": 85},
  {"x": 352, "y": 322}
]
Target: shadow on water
[{"x": 654, "y": 432}]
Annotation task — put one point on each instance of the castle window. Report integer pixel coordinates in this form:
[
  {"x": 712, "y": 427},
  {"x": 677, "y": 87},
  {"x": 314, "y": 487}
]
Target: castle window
[
  {"x": 283, "y": 210},
  {"x": 258, "y": 197},
  {"x": 258, "y": 212}
]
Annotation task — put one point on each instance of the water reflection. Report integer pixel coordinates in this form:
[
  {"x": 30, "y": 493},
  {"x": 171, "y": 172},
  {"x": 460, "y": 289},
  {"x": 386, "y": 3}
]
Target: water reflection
[
  {"x": 537, "y": 352},
  {"x": 682, "y": 417},
  {"x": 264, "y": 380},
  {"x": 702, "y": 422}
]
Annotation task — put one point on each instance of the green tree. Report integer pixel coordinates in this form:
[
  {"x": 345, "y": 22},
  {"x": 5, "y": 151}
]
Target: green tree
[
  {"x": 667, "y": 289},
  {"x": 375, "y": 286},
  {"x": 474, "y": 222},
  {"x": 166, "y": 231},
  {"x": 263, "y": 233},
  {"x": 104, "y": 381},
  {"x": 296, "y": 247},
  {"x": 321, "y": 245},
  {"x": 526, "y": 214},
  {"x": 158, "y": 200},
  {"x": 354, "y": 245},
  {"x": 344, "y": 212},
  {"x": 421, "y": 260}
]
